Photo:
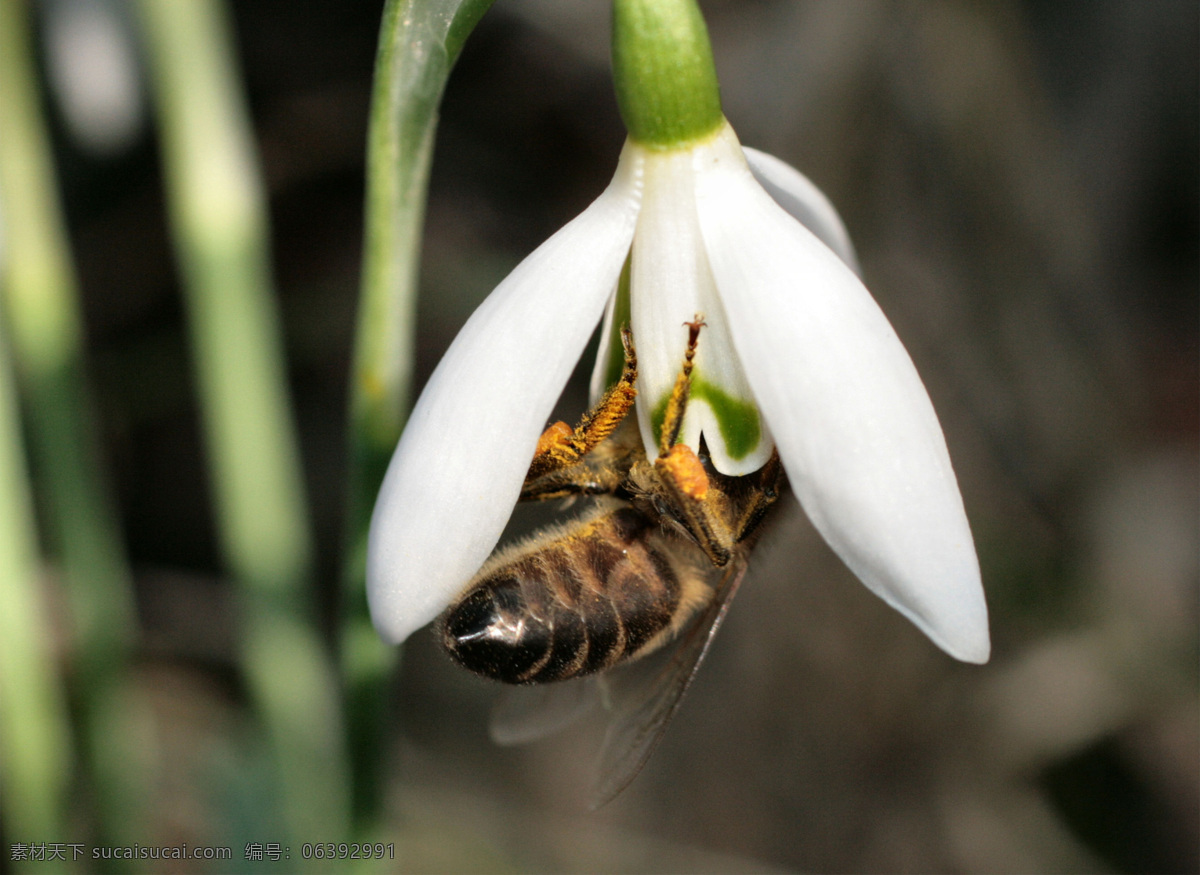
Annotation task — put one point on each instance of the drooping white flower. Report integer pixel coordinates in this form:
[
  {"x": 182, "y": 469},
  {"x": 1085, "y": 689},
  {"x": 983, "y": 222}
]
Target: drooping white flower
[{"x": 796, "y": 356}]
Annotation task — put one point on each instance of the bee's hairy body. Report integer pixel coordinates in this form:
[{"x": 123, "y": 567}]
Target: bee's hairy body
[
  {"x": 575, "y": 600},
  {"x": 623, "y": 580}
]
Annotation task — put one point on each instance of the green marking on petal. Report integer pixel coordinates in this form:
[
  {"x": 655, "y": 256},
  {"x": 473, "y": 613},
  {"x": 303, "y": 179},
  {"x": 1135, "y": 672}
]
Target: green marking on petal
[
  {"x": 738, "y": 421},
  {"x": 657, "y": 415},
  {"x": 615, "y": 353}
]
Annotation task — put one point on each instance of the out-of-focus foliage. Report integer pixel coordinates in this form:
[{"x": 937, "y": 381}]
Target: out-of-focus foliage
[{"x": 1021, "y": 183}]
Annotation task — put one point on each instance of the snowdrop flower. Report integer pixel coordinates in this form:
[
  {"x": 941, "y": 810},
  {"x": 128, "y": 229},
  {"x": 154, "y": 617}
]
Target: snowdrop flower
[{"x": 796, "y": 356}]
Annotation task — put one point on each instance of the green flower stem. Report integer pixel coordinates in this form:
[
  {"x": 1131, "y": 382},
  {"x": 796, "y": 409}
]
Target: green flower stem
[
  {"x": 663, "y": 72},
  {"x": 218, "y": 214},
  {"x": 419, "y": 42},
  {"x": 42, "y": 314}
]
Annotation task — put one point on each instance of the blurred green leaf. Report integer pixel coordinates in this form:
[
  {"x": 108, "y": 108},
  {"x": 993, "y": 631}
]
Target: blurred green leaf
[{"x": 219, "y": 218}]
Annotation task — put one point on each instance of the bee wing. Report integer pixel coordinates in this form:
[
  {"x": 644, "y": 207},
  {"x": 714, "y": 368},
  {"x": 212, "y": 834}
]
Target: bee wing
[
  {"x": 525, "y": 714},
  {"x": 638, "y": 727}
]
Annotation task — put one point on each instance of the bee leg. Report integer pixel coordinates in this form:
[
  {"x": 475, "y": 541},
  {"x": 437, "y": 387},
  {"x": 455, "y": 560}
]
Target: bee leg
[
  {"x": 677, "y": 403},
  {"x": 699, "y": 510},
  {"x": 693, "y": 504},
  {"x": 561, "y": 447},
  {"x": 574, "y": 480}
]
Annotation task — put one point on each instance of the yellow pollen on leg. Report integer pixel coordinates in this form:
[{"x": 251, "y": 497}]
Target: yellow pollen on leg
[
  {"x": 684, "y": 468},
  {"x": 555, "y": 436}
]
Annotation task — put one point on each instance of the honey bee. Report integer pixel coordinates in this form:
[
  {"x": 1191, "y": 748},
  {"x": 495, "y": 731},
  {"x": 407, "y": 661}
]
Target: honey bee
[{"x": 631, "y": 577}]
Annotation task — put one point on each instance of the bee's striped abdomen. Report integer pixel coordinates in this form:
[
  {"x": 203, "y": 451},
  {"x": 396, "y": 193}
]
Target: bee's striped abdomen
[{"x": 584, "y": 601}]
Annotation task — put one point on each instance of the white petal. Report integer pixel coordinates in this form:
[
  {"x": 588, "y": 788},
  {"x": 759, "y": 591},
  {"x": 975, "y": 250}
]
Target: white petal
[
  {"x": 806, "y": 203},
  {"x": 854, "y": 426},
  {"x": 458, "y": 469},
  {"x": 671, "y": 283},
  {"x": 600, "y": 380},
  {"x": 668, "y": 272}
]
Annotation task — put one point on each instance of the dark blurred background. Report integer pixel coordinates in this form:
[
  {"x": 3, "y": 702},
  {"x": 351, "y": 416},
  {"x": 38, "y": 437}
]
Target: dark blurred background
[{"x": 1021, "y": 182}]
